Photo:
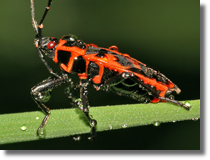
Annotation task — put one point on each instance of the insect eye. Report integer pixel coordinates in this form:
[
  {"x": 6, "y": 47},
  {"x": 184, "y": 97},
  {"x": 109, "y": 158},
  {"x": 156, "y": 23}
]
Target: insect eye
[{"x": 51, "y": 45}]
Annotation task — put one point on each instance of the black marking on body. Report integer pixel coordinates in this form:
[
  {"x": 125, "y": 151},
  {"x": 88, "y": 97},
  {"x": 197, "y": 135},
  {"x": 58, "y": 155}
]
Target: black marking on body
[
  {"x": 102, "y": 53},
  {"x": 142, "y": 67},
  {"x": 63, "y": 57},
  {"x": 122, "y": 59},
  {"x": 79, "y": 65},
  {"x": 136, "y": 70},
  {"x": 93, "y": 70},
  {"x": 92, "y": 50},
  {"x": 150, "y": 73},
  {"x": 108, "y": 74},
  {"x": 69, "y": 44},
  {"x": 162, "y": 78}
]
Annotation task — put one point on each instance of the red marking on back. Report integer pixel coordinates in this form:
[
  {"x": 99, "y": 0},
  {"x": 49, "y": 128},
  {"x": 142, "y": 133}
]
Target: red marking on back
[
  {"x": 82, "y": 75},
  {"x": 93, "y": 45},
  {"x": 75, "y": 52},
  {"x": 152, "y": 82},
  {"x": 114, "y": 48},
  {"x": 155, "y": 100}
]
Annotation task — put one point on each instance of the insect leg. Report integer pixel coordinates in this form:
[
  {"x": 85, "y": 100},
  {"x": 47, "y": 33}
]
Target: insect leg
[
  {"x": 154, "y": 93},
  {"x": 41, "y": 94},
  {"x": 123, "y": 85},
  {"x": 175, "y": 102},
  {"x": 73, "y": 95},
  {"x": 85, "y": 106},
  {"x": 46, "y": 64}
]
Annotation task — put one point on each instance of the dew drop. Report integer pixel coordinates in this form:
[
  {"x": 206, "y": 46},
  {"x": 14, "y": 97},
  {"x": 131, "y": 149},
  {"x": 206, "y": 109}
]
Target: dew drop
[
  {"x": 42, "y": 132},
  {"x": 77, "y": 138},
  {"x": 156, "y": 123},
  {"x": 124, "y": 126},
  {"x": 174, "y": 121},
  {"x": 23, "y": 128},
  {"x": 149, "y": 93},
  {"x": 195, "y": 119},
  {"x": 110, "y": 126},
  {"x": 37, "y": 117},
  {"x": 187, "y": 103}
]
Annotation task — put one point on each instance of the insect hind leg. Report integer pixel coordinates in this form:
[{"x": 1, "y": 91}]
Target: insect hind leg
[
  {"x": 175, "y": 102},
  {"x": 124, "y": 85},
  {"x": 72, "y": 92},
  {"x": 156, "y": 94},
  {"x": 85, "y": 107}
]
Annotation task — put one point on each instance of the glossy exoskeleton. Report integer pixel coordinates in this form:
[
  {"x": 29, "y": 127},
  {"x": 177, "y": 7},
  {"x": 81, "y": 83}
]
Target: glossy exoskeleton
[{"x": 106, "y": 68}]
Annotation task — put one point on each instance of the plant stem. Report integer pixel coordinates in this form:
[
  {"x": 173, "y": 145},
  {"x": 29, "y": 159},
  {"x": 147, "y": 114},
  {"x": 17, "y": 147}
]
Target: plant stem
[{"x": 21, "y": 127}]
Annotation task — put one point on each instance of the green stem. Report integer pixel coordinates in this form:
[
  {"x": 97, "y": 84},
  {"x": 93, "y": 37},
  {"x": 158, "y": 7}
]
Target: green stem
[{"x": 21, "y": 127}]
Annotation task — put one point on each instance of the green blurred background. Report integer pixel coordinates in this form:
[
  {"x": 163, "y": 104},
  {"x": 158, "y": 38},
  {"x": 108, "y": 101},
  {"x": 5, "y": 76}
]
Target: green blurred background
[{"x": 164, "y": 34}]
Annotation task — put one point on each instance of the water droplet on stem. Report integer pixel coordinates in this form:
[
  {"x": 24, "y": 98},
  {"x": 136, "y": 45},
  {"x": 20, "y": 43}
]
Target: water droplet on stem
[
  {"x": 124, "y": 126},
  {"x": 156, "y": 123},
  {"x": 195, "y": 119},
  {"x": 23, "y": 128},
  {"x": 187, "y": 103},
  {"x": 77, "y": 138}
]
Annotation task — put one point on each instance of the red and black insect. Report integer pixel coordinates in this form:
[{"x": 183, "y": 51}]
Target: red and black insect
[{"x": 106, "y": 68}]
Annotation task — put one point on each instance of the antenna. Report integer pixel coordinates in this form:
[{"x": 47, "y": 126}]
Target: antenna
[{"x": 38, "y": 28}]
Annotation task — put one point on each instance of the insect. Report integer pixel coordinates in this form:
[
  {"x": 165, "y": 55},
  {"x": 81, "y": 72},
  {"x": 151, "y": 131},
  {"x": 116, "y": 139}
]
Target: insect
[{"x": 106, "y": 68}]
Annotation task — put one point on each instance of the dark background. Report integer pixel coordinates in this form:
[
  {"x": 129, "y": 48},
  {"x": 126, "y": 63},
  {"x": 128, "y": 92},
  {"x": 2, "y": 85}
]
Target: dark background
[{"x": 163, "y": 34}]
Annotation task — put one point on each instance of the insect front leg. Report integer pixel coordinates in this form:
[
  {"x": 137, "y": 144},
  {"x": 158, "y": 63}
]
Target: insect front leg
[{"x": 41, "y": 93}]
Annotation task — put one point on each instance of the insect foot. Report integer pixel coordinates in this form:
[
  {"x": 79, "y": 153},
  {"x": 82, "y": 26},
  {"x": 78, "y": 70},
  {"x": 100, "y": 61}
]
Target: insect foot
[{"x": 93, "y": 124}]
